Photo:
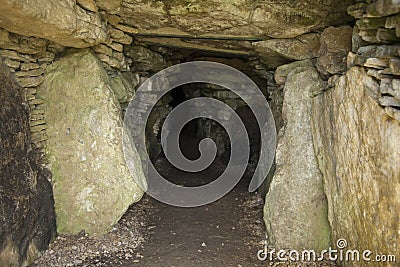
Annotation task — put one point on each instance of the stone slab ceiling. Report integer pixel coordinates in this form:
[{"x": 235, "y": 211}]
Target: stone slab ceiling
[
  {"x": 277, "y": 19},
  {"x": 82, "y": 23}
]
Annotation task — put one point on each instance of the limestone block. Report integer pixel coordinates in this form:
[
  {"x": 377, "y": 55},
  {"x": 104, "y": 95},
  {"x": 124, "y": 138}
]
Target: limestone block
[
  {"x": 88, "y": 4},
  {"x": 124, "y": 85},
  {"x": 277, "y": 19},
  {"x": 357, "y": 146},
  {"x": 111, "y": 6},
  {"x": 92, "y": 184},
  {"x": 276, "y": 52},
  {"x": 335, "y": 45},
  {"x": 382, "y": 8},
  {"x": 60, "y": 21},
  {"x": 295, "y": 211},
  {"x": 357, "y": 10}
]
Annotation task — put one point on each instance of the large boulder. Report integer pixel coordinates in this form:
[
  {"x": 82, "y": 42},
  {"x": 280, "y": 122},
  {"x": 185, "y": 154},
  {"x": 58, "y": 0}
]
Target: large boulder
[
  {"x": 61, "y": 21},
  {"x": 295, "y": 211},
  {"x": 92, "y": 184},
  {"x": 357, "y": 146},
  {"x": 27, "y": 220}
]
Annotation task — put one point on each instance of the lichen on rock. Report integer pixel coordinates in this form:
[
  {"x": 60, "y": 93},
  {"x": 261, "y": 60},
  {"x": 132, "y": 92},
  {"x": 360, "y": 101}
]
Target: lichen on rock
[
  {"x": 295, "y": 211},
  {"x": 92, "y": 184},
  {"x": 357, "y": 146}
]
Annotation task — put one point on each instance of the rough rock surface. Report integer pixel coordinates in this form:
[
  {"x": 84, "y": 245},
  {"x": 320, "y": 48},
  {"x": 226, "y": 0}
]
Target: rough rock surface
[
  {"x": 379, "y": 56},
  {"x": 92, "y": 185},
  {"x": 61, "y": 21},
  {"x": 357, "y": 146},
  {"x": 295, "y": 211},
  {"x": 88, "y": 5},
  {"x": 144, "y": 59},
  {"x": 123, "y": 85},
  {"x": 335, "y": 45},
  {"x": 276, "y": 52},
  {"x": 27, "y": 45},
  {"x": 112, "y": 6},
  {"x": 278, "y": 19},
  {"x": 27, "y": 220}
]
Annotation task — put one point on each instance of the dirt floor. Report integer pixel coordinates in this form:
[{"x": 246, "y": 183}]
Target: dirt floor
[
  {"x": 225, "y": 233},
  {"x": 228, "y": 232}
]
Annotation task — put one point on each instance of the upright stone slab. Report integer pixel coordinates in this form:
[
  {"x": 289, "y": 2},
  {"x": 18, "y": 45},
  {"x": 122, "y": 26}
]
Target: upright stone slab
[
  {"x": 91, "y": 182},
  {"x": 357, "y": 146},
  {"x": 295, "y": 211}
]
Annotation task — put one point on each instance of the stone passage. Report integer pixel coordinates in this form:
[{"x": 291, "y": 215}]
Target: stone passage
[
  {"x": 91, "y": 183},
  {"x": 330, "y": 70}
]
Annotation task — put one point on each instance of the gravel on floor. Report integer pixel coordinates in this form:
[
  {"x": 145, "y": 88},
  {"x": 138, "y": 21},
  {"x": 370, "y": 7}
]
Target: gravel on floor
[{"x": 112, "y": 249}]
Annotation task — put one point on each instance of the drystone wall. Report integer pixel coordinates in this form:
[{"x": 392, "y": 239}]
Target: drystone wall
[
  {"x": 376, "y": 48},
  {"x": 209, "y": 128},
  {"x": 28, "y": 58}
]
